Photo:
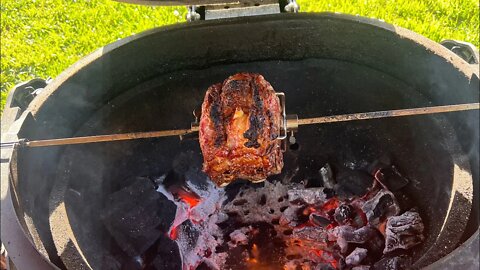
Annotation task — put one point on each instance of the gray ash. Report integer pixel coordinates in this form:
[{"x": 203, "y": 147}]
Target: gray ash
[
  {"x": 348, "y": 223},
  {"x": 404, "y": 231}
]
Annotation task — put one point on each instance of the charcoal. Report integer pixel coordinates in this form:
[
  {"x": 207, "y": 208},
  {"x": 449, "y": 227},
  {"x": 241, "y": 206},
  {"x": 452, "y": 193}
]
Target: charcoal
[
  {"x": 343, "y": 213},
  {"x": 341, "y": 264},
  {"x": 167, "y": 256},
  {"x": 307, "y": 195},
  {"x": 188, "y": 235},
  {"x": 262, "y": 204},
  {"x": 324, "y": 266},
  {"x": 380, "y": 207},
  {"x": 356, "y": 257},
  {"x": 186, "y": 168},
  {"x": 206, "y": 266},
  {"x": 395, "y": 263},
  {"x": 239, "y": 237},
  {"x": 358, "y": 236},
  {"x": 313, "y": 182},
  {"x": 109, "y": 262},
  {"x": 404, "y": 231},
  {"x": 316, "y": 234},
  {"x": 387, "y": 173},
  {"x": 291, "y": 216},
  {"x": 327, "y": 176},
  {"x": 357, "y": 220},
  {"x": 347, "y": 234},
  {"x": 353, "y": 183},
  {"x": 197, "y": 178},
  {"x": 375, "y": 245},
  {"x": 319, "y": 220},
  {"x": 391, "y": 178},
  {"x": 361, "y": 267},
  {"x": 135, "y": 263},
  {"x": 137, "y": 215},
  {"x": 139, "y": 190}
]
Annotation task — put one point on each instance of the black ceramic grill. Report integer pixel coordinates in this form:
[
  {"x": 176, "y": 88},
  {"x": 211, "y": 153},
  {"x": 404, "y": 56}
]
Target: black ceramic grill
[{"x": 58, "y": 203}]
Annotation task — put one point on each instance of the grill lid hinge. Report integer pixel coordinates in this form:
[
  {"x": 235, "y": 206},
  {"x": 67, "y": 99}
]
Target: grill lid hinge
[{"x": 240, "y": 9}]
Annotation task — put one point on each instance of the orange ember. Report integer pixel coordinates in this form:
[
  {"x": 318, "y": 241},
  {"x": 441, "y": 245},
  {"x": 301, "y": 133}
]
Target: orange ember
[
  {"x": 382, "y": 227},
  {"x": 173, "y": 233},
  {"x": 189, "y": 198},
  {"x": 252, "y": 261},
  {"x": 330, "y": 204}
]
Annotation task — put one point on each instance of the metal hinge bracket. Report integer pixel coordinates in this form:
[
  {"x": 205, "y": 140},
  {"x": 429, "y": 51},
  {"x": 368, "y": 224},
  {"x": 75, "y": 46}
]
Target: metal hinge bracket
[{"x": 240, "y": 9}]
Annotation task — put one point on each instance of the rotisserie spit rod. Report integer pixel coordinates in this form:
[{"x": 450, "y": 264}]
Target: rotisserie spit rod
[{"x": 294, "y": 122}]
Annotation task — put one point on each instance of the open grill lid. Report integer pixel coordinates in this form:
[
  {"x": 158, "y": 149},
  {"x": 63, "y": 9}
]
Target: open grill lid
[
  {"x": 217, "y": 9},
  {"x": 197, "y": 2}
]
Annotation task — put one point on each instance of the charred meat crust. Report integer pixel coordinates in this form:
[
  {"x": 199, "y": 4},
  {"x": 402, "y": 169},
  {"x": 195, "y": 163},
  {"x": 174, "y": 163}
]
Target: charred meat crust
[
  {"x": 216, "y": 112},
  {"x": 238, "y": 129},
  {"x": 256, "y": 118}
]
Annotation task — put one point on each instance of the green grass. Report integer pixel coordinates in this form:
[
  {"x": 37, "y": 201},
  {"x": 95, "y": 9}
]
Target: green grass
[{"x": 40, "y": 38}]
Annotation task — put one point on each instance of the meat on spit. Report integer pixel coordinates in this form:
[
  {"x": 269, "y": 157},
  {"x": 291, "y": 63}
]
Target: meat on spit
[{"x": 239, "y": 126}]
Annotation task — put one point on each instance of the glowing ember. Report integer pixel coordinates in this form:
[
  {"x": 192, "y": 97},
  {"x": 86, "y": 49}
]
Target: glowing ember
[
  {"x": 173, "y": 233},
  {"x": 286, "y": 226},
  {"x": 189, "y": 198}
]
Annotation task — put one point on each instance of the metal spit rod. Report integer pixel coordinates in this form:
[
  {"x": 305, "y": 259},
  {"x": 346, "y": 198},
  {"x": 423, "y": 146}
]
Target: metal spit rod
[{"x": 292, "y": 123}]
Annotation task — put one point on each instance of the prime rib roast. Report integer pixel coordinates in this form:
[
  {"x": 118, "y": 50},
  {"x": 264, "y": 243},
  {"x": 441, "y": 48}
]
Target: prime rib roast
[{"x": 239, "y": 126}]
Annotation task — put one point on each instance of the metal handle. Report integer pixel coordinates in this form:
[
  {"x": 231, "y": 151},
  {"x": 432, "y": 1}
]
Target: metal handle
[
  {"x": 283, "y": 125},
  {"x": 467, "y": 51}
]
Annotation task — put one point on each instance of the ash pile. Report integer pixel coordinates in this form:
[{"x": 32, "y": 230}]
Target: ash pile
[{"x": 350, "y": 219}]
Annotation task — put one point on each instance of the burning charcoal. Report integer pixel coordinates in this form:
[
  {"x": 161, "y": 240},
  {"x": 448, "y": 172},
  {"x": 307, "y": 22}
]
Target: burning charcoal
[
  {"x": 327, "y": 176},
  {"x": 239, "y": 237},
  {"x": 206, "y": 266},
  {"x": 291, "y": 265},
  {"x": 375, "y": 245},
  {"x": 137, "y": 215},
  {"x": 347, "y": 234},
  {"x": 341, "y": 264},
  {"x": 356, "y": 257},
  {"x": 316, "y": 234},
  {"x": 358, "y": 236},
  {"x": 380, "y": 207},
  {"x": 340, "y": 234},
  {"x": 395, "y": 263},
  {"x": 343, "y": 213},
  {"x": 290, "y": 216},
  {"x": 324, "y": 266},
  {"x": 404, "y": 231},
  {"x": 259, "y": 204},
  {"x": 307, "y": 195},
  {"x": 353, "y": 183},
  {"x": 188, "y": 235},
  {"x": 319, "y": 220}
]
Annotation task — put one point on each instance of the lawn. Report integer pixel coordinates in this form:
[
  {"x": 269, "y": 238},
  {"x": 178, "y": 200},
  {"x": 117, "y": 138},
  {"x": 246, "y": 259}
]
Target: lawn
[{"x": 40, "y": 38}]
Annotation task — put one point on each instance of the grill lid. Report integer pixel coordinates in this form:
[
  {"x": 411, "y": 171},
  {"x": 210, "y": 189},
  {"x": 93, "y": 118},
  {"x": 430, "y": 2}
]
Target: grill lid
[
  {"x": 216, "y": 9},
  {"x": 196, "y": 2},
  {"x": 175, "y": 2}
]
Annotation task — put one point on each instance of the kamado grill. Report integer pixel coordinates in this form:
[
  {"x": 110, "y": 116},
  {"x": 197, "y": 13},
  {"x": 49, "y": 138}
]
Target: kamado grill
[{"x": 387, "y": 193}]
